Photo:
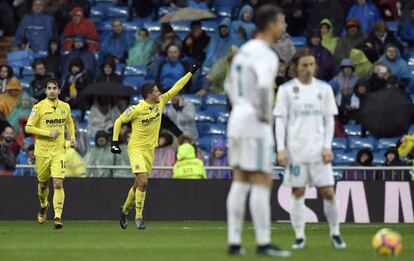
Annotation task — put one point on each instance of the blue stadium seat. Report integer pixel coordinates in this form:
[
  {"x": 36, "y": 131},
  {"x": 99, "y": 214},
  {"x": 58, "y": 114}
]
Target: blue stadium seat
[
  {"x": 104, "y": 26},
  {"x": 340, "y": 144},
  {"x": 119, "y": 12},
  {"x": 163, "y": 10},
  {"x": 85, "y": 117},
  {"x": 194, "y": 99},
  {"x": 393, "y": 25},
  {"x": 408, "y": 54},
  {"x": 385, "y": 143},
  {"x": 204, "y": 143},
  {"x": 131, "y": 27},
  {"x": 204, "y": 116},
  {"x": 223, "y": 117},
  {"x": 135, "y": 70},
  {"x": 411, "y": 129},
  {"x": 76, "y": 114},
  {"x": 356, "y": 143},
  {"x": 344, "y": 158},
  {"x": 82, "y": 126},
  {"x": 120, "y": 69},
  {"x": 135, "y": 76},
  {"x": 352, "y": 129},
  {"x": 379, "y": 158},
  {"x": 216, "y": 129},
  {"x": 16, "y": 71},
  {"x": 136, "y": 99},
  {"x": 153, "y": 26},
  {"x": 134, "y": 81},
  {"x": 223, "y": 11},
  {"x": 209, "y": 26},
  {"x": 97, "y": 13},
  {"x": 216, "y": 109},
  {"x": 216, "y": 99},
  {"x": 27, "y": 71},
  {"x": 299, "y": 41},
  {"x": 39, "y": 54},
  {"x": 25, "y": 83}
]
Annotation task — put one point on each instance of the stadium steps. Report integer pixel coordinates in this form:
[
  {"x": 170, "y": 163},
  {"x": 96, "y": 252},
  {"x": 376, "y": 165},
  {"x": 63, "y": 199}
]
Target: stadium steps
[{"x": 5, "y": 44}]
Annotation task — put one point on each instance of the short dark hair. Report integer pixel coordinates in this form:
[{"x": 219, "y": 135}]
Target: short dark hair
[
  {"x": 147, "y": 89},
  {"x": 54, "y": 81},
  {"x": 266, "y": 14},
  {"x": 38, "y": 62}
]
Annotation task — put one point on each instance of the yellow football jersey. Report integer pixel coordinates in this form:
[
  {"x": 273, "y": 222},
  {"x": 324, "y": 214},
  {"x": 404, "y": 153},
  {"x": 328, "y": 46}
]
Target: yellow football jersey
[
  {"x": 45, "y": 117},
  {"x": 146, "y": 118}
]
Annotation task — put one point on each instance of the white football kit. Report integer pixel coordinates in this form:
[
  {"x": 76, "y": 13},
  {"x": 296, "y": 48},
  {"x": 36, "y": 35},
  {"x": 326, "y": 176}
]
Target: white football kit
[
  {"x": 308, "y": 113},
  {"x": 252, "y": 74}
]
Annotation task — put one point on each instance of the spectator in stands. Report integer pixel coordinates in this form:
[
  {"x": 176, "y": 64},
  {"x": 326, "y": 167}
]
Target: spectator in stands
[
  {"x": 367, "y": 13},
  {"x": 285, "y": 48},
  {"x": 22, "y": 134},
  {"x": 343, "y": 84},
  {"x": 183, "y": 139},
  {"x": 82, "y": 141},
  {"x": 374, "y": 45},
  {"x": 171, "y": 69},
  {"x": 326, "y": 9},
  {"x": 35, "y": 30},
  {"x": 388, "y": 9},
  {"x": 379, "y": 76},
  {"x": 79, "y": 25},
  {"x": 352, "y": 39},
  {"x": 143, "y": 49},
  {"x": 182, "y": 113},
  {"x": 9, "y": 140},
  {"x": 53, "y": 60},
  {"x": 100, "y": 116},
  {"x": 348, "y": 108},
  {"x": 328, "y": 40},
  {"x": 397, "y": 65},
  {"x": 25, "y": 157},
  {"x": 164, "y": 155},
  {"x": 167, "y": 38},
  {"x": 38, "y": 84},
  {"x": 80, "y": 50},
  {"x": 117, "y": 43},
  {"x": 324, "y": 59},
  {"x": 121, "y": 104},
  {"x": 100, "y": 154},
  {"x": 77, "y": 80},
  {"x": 7, "y": 159},
  {"x": 75, "y": 164},
  {"x": 63, "y": 14},
  {"x": 364, "y": 158},
  {"x": 6, "y": 73},
  {"x": 108, "y": 72},
  {"x": 363, "y": 67},
  {"x": 295, "y": 17},
  {"x": 21, "y": 111},
  {"x": 214, "y": 82},
  {"x": 220, "y": 44},
  {"x": 188, "y": 166},
  {"x": 218, "y": 158},
  {"x": 244, "y": 28},
  {"x": 196, "y": 41},
  {"x": 392, "y": 157},
  {"x": 7, "y": 18},
  {"x": 406, "y": 29},
  {"x": 8, "y": 100}
]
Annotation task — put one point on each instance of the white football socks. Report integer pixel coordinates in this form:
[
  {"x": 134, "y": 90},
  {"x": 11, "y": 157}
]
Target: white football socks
[
  {"x": 297, "y": 216},
  {"x": 330, "y": 207},
  {"x": 236, "y": 205},
  {"x": 260, "y": 212}
]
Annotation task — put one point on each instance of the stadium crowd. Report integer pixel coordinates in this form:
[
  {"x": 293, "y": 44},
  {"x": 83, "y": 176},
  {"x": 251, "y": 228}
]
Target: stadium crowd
[{"x": 361, "y": 46}]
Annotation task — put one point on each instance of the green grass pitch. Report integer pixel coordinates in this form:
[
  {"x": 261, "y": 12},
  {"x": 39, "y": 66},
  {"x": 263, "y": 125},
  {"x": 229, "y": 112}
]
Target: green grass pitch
[{"x": 104, "y": 240}]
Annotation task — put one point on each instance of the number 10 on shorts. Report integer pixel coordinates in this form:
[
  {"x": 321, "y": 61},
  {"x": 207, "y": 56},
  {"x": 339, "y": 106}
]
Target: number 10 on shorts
[{"x": 294, "y": 170}]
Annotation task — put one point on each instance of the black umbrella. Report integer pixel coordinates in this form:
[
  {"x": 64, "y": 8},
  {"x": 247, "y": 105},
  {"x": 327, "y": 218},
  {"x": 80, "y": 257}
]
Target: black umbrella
[
  {"x": 386, "y": 113},
  {"x": 108, "y": 89}
]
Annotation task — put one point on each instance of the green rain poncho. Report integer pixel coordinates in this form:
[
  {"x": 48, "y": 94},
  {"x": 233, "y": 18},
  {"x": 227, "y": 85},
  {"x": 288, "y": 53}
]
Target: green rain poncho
[{"x": 142, "y": 52}]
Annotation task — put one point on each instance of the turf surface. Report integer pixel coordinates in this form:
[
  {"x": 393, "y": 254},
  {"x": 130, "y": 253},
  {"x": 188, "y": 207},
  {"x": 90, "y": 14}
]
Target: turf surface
[{"x": 98, "y": 241}]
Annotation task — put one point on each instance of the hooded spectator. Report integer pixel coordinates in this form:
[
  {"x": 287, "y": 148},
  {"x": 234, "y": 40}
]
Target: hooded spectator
[
  {"x": 164, "y": 156},
  {"x": 63, "y": 14},
  {"x": 345, "y": 81},
  {"x": 374, "y": 45},
  {"x": 218, "y": 157},
  {"x": 196, "y": 41},
  {"x": 325, "y": 63},
  {"x": 406, "y": 30},
  {"x": 219, "y": 44},
  {"x": 7, "y": 159},
  {"x": 397, "y": 65},
  {"x": 9, "y": 140},
  {"x": 8, "y": 100},
  {"x": 183, "y": 139},
  {"x": 80, "y": 50},
  {"x": 21, "y": 111},
  {"x": 117, "y": 43},
  {"x": 363, "y": 67},
  {"x": 328, "y": 40},
  {"x": 6, "y": 73},
  {"x": 79, "y": 25},
  {"x": 285, "y": 47},
  {"x": 54, "y": 59},
  {"x": 171, "y": 69},
  {"x": 100, "y": 116},
  {"x": 364, "y": 158},
  {"x": 295, "y": 17},
  {"x": 35, "y": 30},
  {"x": 182, "y": 113},
  {"x": 108, "y": 72},
  {"x": 143, "y": 49},
  {"x": 326, "y": 9},
  {"x": 168, "y": 37},
  {"x": 367, "y": 13},
  {"x": 352, "y": 39},
  {"x": 100, "y": 154},
  {"x": 25, "y": 157},
  {"x": 392, "y": 158},
  {"x": 38, "y": 84},
  {"x": 244, "y": 28},
  {"x": 348, "y": 107},
  {"x": 378, "y": 79},
  {"x": 187, "y": 165},
  {"x": 77, "y": 80}
]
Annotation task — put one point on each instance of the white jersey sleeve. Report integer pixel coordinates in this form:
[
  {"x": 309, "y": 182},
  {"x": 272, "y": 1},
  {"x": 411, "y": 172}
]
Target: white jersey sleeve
[
  {"x": 330, "y": 104},
  {"x": 282, "y": 101}
]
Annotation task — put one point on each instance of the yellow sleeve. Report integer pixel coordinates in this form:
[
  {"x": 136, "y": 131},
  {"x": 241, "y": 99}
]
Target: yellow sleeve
[
  {"x": 178, "y": 86},
  {"x": 69, "y": 125},
  {"x": 127, "y": 116},
  {"x": 33, "y": 121}
]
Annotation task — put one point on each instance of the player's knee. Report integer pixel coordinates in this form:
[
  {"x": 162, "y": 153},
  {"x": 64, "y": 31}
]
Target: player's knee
[
  {"x": 142, "y": 186},
  {"x": 43, "y": 185},
  {"x": 298, "y": 192},
  {"x": 58, "y": 184},
  {"x": 329, "y": 195}
]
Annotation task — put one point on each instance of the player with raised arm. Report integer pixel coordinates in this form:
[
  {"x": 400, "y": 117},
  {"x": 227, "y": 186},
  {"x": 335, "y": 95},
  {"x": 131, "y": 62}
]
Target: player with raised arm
[
  {"x": 305, "y": 110},
  {"x": 250, "y": 87},
  {"x": 48, "y": 121},
  {"x": 145, "y": 118}
]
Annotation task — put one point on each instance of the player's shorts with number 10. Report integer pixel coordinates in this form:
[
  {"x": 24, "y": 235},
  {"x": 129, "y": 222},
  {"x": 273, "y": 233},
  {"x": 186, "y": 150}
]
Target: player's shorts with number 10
[{"x": 47, "y": 167}]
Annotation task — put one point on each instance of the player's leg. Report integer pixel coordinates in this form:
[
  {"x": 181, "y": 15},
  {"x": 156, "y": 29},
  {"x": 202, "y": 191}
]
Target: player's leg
[
  {"x": 58, "y": 201},
  {"x": 140, "y": 185},
  {"x": 42, "y": 168},
  {"x": 297, "y": 217},
  {"x": 236, "y": 205}
]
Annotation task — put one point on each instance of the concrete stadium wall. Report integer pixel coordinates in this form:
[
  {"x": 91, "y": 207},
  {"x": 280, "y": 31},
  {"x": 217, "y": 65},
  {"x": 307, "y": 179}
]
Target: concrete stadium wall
[{"x": 100, "y": 198}]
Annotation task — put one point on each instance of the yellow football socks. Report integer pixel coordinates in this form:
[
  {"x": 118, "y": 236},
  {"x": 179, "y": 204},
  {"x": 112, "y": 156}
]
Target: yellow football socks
[
  {"x": 58, "y": 200},
  {"x": 129, "y": 201},
  {"x": 139, "y": 203},
  {"x": 43, "y": 195}
]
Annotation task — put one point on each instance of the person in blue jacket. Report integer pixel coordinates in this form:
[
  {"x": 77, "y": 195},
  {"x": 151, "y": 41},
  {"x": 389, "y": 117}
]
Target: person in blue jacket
[
  {"x": 244, "y": 28},
  {"x": 398, "y": 66},
  {"x": 117, "y": 43},
  {"x": 220, "y": 43},
  {"x": 367, "y": 13},
  {"x": 35, "y": 29},
  {"x": 406, "y": 30}
]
